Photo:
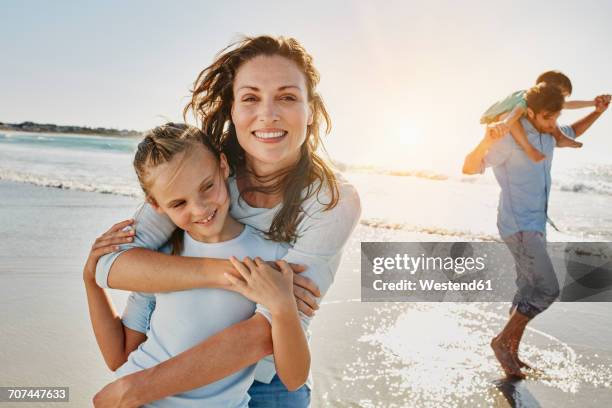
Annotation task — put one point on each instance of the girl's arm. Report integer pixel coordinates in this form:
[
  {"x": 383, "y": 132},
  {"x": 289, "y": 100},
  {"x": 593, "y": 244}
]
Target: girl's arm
[
  {"x": 514, "y": 115},
  {"x": 578, "y": 104},
  {"x": 216, "y": 357},
  {"x": 265, "y": 285},
  {"x": 115, "y": 340},
  {"x": 502, "y": 127}
]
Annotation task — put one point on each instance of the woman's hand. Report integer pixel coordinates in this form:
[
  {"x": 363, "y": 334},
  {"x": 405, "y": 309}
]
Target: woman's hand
[
  {"x": 263, "y": 284},
  {"x": 105, "y": 244},
  {"x": 306, "y": 292}
]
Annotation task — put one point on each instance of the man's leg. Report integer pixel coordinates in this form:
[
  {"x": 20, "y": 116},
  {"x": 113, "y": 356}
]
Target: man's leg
[
  {"x": 536, "y": 283},
  {"x": 502, "y": 344},
  {"x": 524, "y": 285},
  {"x": 505, "y": 344}
]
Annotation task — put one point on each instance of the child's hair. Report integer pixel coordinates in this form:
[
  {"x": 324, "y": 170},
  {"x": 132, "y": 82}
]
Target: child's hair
[
  {"x": 211, "y": 102},
  {"x": 556, "y": 78},
  {"x": 159, "y": 146},
  {"x": 544, "y": 97}
]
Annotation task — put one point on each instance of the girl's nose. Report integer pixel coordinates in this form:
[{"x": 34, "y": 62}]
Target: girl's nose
[{"x": 199, "y": 209}]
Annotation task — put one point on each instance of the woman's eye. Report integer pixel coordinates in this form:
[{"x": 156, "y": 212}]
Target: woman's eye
[
  {"x": 208, "y": 187},
  {"x": 288, "y": 98},
  {"x": 249, "y": 98}
]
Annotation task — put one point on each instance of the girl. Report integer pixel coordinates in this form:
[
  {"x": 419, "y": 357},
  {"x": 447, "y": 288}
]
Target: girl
[
  {"x": 259, "y": 104},
  {"x": 184, "y": 178}
]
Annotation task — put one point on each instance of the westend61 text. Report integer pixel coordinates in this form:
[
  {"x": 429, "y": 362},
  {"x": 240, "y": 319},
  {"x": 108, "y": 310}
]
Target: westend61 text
[{"x": 431, "y": 285}]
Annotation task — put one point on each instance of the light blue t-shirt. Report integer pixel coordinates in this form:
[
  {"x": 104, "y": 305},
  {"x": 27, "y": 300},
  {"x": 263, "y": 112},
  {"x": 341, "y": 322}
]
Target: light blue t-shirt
[
  {"x": 525, "y": 185},
  {"x": 177, "y": 321},
  {"x": 322, "y": 234}
]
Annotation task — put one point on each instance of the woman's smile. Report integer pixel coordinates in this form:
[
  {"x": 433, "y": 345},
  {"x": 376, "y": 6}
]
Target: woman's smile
[{"x": 270, "y": 135}]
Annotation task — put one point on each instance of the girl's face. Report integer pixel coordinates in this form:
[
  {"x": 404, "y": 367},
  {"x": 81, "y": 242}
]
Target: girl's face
[
  {"x": 191, "y": 189},
  {"x": 271, "y": 111}
]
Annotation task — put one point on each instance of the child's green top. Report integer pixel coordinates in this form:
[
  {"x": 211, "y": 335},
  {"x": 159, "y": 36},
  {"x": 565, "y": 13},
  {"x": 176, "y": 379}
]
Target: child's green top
[{"x": 506, "y": 105}]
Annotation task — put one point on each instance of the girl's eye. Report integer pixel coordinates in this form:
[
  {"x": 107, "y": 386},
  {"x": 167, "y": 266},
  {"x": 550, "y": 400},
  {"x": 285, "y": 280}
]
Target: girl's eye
[{"x": 177, "y": 205}]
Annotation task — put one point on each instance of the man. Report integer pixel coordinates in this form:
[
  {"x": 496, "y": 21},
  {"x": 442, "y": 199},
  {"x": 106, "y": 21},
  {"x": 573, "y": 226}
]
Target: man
[{"x": 522, "y": 211}]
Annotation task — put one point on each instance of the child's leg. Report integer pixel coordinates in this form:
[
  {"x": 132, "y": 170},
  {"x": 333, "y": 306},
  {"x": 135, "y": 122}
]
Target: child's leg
[
  {"x": 519, "y": 135},
  {"x": 564, "y": 141}
]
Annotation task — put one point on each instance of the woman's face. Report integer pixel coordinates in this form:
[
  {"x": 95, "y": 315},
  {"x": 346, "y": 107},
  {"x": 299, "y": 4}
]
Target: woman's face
[
  {"x": 191, "y": 190},
  {"x": 270, "y": 112}
]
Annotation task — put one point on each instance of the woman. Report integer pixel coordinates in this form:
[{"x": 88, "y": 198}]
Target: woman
[{"x": 258, "y": 103}]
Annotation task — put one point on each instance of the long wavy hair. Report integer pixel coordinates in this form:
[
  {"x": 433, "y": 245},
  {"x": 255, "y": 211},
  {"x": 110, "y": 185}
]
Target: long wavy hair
[{"x": 211, "y": 103}]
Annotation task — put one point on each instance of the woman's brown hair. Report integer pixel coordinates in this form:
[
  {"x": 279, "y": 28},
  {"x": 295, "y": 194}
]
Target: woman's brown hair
[
  {"x": 211, "y": 103},
  {"x": 159, "y": 146}
]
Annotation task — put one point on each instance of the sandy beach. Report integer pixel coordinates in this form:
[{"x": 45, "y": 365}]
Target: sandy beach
[{"x": 364, "y": 354}]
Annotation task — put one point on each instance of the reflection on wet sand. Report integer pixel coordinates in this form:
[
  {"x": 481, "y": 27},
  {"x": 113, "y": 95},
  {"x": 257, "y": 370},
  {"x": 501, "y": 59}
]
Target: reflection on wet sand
[{"x": 438, "y": 355}]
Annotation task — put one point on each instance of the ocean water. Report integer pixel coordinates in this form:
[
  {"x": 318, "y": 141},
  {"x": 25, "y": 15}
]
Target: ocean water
[
  {"x": 364, "y": 354},
  {"x": 463, "y": 207}
]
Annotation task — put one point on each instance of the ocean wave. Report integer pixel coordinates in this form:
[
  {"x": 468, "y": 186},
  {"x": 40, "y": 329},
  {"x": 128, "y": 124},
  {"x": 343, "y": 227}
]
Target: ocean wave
[
  {"x": 468, "y": 235},
  {"x": 43, "y": 181},
  {"x": 424, "y": 174},
  {"x": 585, "y": 187}
]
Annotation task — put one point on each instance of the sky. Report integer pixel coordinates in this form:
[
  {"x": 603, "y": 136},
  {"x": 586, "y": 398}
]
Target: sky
[{"x": 405, "y": 82}]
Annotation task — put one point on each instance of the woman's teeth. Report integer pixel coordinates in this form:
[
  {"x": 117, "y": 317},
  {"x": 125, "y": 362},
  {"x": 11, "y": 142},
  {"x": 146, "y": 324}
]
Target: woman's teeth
[{"x": 270, "y": 135}]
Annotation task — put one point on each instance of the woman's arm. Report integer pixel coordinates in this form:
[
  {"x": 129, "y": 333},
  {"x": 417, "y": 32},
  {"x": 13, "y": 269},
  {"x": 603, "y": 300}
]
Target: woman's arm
[
  {"x": 265, "y": 285},
  {"x": 216, "y": 357},
  {"x": 139, "y": 267},
  {"x": 115, "y": 340},
  {"x": 228, "y": 351}
]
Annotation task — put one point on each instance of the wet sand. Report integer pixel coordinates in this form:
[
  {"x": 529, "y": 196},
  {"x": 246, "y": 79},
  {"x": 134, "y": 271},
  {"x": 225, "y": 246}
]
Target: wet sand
[{"x": 364, "y": 354}]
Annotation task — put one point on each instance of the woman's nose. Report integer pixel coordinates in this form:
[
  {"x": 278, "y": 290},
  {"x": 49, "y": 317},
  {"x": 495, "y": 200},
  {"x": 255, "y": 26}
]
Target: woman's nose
[{"x": 268, "y": 111}]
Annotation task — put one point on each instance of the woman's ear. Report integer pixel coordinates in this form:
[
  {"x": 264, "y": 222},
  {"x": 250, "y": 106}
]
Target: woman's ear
[
  {"x": 224, "y": 166},
  {"x": 154, "y": 204}
]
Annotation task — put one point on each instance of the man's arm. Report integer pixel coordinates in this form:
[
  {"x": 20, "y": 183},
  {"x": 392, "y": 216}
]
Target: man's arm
[
  {"x": 474, "y": 161},
  {"x": 578, "y": 104},
  {"x": 583, "y": 124},
  {"x": 228, "y": 351}
]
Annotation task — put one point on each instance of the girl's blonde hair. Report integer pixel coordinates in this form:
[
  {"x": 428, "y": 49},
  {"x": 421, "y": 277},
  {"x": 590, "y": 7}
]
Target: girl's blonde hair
[{"x": 159, "y": 146}]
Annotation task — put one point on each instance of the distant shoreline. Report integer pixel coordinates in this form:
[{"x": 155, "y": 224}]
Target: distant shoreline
[{"x": 33, "y": 127}]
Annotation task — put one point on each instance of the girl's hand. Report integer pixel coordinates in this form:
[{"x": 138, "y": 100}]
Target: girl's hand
[
  {"x": 105, "y": 244},
  {"x": 498, "y": 129},
  {"x": 263, "y": 284}
]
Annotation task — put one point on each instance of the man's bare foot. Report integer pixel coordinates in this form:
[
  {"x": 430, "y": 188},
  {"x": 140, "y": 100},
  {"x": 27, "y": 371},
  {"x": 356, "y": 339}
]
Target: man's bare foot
[
  {"x": 534, "y": 154},
  {"x": 521, "y": 363},
  {"x": 565, "y": 141},
  {"x": 503, "y": 354}
]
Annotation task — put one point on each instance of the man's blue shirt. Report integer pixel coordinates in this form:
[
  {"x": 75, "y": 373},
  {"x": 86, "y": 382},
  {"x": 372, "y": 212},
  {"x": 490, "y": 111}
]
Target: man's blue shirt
[{"x": 525, "y": 185}]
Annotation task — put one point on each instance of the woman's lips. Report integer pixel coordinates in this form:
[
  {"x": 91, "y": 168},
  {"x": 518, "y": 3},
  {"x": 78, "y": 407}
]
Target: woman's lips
[{"x": 269, "y": 136}]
